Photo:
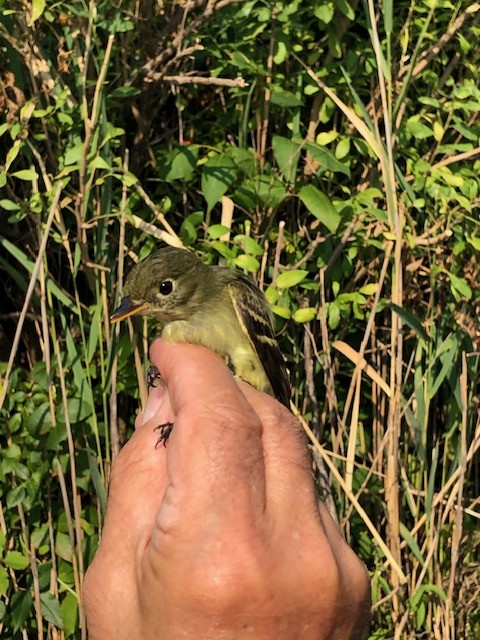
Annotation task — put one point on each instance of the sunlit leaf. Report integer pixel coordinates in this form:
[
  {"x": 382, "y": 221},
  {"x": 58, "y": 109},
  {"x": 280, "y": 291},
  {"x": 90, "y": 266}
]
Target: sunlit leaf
[
  {"x": 320, "y": 206},
  {"x": 288, "y": 279}
]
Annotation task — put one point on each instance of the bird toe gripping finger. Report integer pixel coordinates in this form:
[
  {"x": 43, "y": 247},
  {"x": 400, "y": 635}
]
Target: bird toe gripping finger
[
  {"x": 154, "y": 377},
  {"x": 165, "y": 430}
]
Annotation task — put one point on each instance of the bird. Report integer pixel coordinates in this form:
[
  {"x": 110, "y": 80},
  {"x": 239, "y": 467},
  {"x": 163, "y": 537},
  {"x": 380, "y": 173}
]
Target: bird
[{"x": 217, "y": 307}]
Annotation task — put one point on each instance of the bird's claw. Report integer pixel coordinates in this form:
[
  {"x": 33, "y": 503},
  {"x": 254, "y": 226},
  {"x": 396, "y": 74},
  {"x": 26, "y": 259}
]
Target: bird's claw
[
  {"x": 165, "y": 430},
  {"x": 154, "y": 377}
]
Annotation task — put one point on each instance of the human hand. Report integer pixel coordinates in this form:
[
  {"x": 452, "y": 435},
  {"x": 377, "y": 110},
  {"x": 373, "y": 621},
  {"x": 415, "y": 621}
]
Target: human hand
[{"x": 219, "y": 534}]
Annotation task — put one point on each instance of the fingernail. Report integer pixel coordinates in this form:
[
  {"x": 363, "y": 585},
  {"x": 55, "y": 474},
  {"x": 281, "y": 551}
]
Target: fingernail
[{"x": 154, "y": 402}]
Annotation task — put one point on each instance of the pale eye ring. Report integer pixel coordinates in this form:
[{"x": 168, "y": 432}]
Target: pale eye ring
[{"x": 166, "y": 287}]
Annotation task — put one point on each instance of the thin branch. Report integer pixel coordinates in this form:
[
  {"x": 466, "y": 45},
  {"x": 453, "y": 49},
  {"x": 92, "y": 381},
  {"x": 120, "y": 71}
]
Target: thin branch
[
  {"x": 433, "y": 52},
  {"x": 160, "y": 60},
  {"x": 179, "y": 80}
]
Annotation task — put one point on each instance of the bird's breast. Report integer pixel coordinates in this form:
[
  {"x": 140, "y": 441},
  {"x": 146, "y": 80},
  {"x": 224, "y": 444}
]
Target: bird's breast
[{"x": 224, "y": 335}]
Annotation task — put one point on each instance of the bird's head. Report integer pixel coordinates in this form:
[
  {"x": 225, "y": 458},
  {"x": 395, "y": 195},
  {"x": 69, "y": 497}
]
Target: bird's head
[{"x": 170, "y": 284}]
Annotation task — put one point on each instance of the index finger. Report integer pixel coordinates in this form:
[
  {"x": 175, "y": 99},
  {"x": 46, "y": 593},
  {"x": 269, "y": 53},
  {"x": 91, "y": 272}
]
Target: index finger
[{"x": 215, "y": 450}]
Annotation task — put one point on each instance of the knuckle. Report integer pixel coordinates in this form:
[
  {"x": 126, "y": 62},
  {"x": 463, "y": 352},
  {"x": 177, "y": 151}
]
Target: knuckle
[{"x": 229, "y": 576}]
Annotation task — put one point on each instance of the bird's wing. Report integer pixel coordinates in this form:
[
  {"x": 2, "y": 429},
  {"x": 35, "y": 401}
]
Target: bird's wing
[{"x": 254, "y": 318}]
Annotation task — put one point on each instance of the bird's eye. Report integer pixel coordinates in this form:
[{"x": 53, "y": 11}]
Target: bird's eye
[{"x": 166, "y": 287}]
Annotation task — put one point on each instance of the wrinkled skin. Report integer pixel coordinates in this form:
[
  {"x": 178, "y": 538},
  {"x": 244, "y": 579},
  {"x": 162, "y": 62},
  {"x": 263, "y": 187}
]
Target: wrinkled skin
[{"x": 219, "y": 534}]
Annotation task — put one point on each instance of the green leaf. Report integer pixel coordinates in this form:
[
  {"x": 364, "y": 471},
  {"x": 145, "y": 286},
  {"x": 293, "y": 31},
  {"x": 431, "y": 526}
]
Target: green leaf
[
  {"x": 249, "y": 245},
  {"x": 447, "y": 367},
  {"x": 288, "y": 279},
  {"x": 244, "y": 159},
  {"x": 94, "y": 332},
  {"x": 280, "y": 51},
  {"x": 78, "y": 410},
  {"x": 50, "y": 607},
  {"x": 271, "y": 295},
  {"x": 216, "y": 231},
  {"x": 12, "y": 154},
  {"x": 218, "y": 174},
  {"x": 124, "y": 92},
  {"x": 307, "y": 314},
  {"x": 38, "y": 7},
  {"x": 333, "y": 315},
  {"x": 326, "y": 159},
  {"x": 188, "y": 232},
  {"x": 460, "y": 286},
  {"x": 326, "y": 137},
  {"x": 418, "y": 130},
  {"x": 475, "y": 242},
  {"x": 39, "y": 536},
  {"x": 13, "y": 452},
  {"x": 249, "y": 263},
  {"x": 9, "y": 205},
  {"x": 369, "y": 289},
  {"x": 223, "y": 249},
  {"x": 4, "y": 581},
  {"x": 342, "y": 149},
  {"x": 20, "y": 606},
  {"x": 283, "y": 312},
  {"x": 15, "y": 496},
  {"x": 129, "y": 178},
  {"x": 425, "y": 589},
  {"x": 321, "y": 207},
  {"x": 98, "y": 481},
  {"x": 99, "y": 163},
  {"x": 73, "y": 155},
  {"x": 69, "y": 613},
  {"x": 112, "y": 133},
  {"x": 388, "y": 15},
  {"x": 25, "y": 174},
  {"x": 180, "y": 164},
  {"x": 16, "y": 561},
  {"x": 324, "y": 12},
  {"x": 409, "y": 319},
  {"x": 412, "y": 543},
  {"x": 265, "y": 190},
  {"x": 63, "y": 547},
  {"x": 271, "y": 191},
  {"x": 287, "y": 154},
  {"x": 345, "y": 8},
  {"x": 284, "y": 99}
]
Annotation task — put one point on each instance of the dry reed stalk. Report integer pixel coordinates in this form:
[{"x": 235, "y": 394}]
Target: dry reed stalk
[
  {"x": 142, "y": 385},
  {"x": 114, "y": 436},
  {"x": 36, "y": 592},
  {"x": 77, "y": 562},
  {"x": 326, "y": 456}
]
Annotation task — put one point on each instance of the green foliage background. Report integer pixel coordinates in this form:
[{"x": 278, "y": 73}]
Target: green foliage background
[{"x": 329, "y": 149}]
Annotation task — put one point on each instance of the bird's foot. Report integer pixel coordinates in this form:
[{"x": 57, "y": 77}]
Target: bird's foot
[
  {"x": 165, "y": 430},
  {"x": 230, "y": 365},
  {"x": 154, "y": 377}
]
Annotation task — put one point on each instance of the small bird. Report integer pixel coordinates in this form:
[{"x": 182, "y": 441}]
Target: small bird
[{"x": 214, "y": 306}]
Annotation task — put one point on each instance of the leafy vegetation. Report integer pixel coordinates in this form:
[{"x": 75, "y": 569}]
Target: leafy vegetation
[{"x": 331, "y": 150}]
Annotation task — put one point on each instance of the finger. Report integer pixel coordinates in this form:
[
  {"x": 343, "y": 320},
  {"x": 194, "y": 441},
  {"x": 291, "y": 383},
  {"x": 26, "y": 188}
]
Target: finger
[
  {"x": 215, "y": 455},
  {"x": 156, "y": 403},
  {"x": 288, "y": 466},
  {"x": 137, "y": 484}
]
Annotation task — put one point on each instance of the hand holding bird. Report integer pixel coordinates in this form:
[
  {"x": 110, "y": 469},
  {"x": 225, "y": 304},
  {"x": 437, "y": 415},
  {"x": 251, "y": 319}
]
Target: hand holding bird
[{"x": 214, "y": 306}]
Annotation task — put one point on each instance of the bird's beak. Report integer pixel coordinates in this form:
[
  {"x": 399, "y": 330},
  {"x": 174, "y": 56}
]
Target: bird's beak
[{"x": 126, "y": 308}]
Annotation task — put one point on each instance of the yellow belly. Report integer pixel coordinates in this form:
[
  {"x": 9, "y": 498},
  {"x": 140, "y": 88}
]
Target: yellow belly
[{"x": 224, "y": 336}]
